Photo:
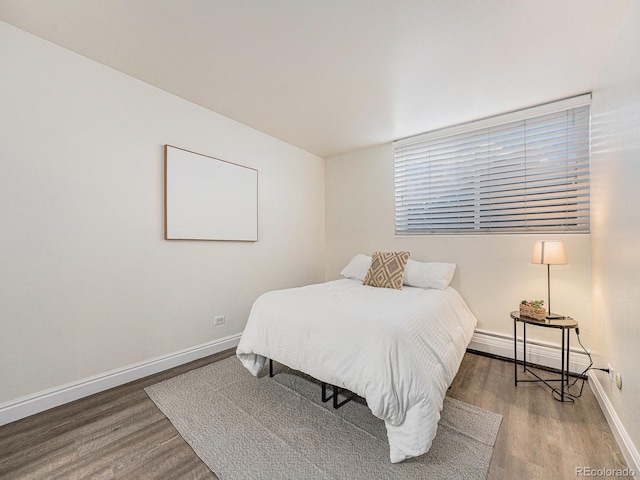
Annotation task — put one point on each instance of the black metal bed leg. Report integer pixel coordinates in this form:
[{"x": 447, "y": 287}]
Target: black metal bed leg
[
  {"x": 325, "y": 398},
  {"x": 337, "y": 404},
  {"x": 334, "y": 396}
]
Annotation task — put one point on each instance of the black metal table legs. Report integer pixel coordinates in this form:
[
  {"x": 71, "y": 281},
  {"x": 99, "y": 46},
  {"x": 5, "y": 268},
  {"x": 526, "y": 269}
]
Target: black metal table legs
[{"x": 562, "y": 394}]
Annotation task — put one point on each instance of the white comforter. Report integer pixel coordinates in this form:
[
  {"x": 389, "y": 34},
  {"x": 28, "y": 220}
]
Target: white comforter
[{"x": 399, "y": 349}]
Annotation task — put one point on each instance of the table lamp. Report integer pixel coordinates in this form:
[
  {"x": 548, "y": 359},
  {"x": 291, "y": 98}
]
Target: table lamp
[{"x": 549, "y": 253}]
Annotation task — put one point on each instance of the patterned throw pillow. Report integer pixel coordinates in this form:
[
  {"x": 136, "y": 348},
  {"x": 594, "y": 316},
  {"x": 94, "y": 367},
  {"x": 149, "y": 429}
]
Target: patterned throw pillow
[{"x": 387, "y": 269}]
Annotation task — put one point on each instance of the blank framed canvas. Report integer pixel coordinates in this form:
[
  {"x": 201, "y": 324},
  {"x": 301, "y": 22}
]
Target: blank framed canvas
[{"x": 209, "y": 199}]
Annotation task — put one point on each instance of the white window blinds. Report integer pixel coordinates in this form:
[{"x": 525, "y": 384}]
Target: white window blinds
[{"x": 527, "y": 171}]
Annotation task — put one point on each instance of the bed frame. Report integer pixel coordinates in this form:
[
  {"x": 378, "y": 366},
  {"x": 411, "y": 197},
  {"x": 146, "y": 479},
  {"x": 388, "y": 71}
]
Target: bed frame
[{"x": 334, "y": 395}]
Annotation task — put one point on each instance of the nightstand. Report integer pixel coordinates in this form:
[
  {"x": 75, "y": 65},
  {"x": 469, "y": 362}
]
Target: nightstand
[{"x": 565, "y": 324}]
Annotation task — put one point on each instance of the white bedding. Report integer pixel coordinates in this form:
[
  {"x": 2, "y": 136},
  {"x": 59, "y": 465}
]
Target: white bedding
[{"x": 399, "y": 349}]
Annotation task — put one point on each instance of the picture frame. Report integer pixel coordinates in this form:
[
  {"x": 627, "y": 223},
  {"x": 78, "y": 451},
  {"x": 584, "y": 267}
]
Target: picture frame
[{"x": 207, "y": 198}]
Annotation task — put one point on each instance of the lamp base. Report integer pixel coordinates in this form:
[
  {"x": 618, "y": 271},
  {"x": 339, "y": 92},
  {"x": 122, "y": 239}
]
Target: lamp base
[{"x": 554, "y": 316}]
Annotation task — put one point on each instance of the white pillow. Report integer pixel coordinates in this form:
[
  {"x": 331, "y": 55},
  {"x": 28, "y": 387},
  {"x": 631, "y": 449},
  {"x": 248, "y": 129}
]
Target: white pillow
[
  {"x": 428, "y": 275},
  {"x": 357, "y": 268}
]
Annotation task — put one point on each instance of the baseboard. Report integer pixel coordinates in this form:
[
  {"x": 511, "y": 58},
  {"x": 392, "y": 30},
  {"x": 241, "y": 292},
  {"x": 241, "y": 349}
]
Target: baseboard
[
  {"x": 628, "y": 449},
  {"x": 41, "y": 401},
  {"x": 537, "y": 352}
]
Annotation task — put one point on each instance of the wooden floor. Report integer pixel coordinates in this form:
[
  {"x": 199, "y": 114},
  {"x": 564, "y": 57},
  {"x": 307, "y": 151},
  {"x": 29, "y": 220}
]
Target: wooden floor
[
  {"x": 121, "y": 434},
  {"x": 539, "y": 438}
]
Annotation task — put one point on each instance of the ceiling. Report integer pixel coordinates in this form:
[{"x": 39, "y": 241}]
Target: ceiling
[{"x": 332, "y": 76}]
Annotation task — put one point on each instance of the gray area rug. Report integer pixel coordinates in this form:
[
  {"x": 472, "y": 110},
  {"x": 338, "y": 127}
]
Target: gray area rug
[{"x": 244, "y": 427}]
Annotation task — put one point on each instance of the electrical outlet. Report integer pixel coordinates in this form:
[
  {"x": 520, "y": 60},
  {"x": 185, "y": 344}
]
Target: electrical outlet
[
  {"x": 219, "y": 320},
  {"x": 618, "y": 380}
]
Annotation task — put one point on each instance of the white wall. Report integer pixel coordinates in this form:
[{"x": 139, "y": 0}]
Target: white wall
[
  {"x": 493, "y": 271},
  {"x": 615, "y": 171},
  {"x": 87, "y": 282}
]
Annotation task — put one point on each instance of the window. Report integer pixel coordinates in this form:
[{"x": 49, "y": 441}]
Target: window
[{"x": 525, "y": 171}]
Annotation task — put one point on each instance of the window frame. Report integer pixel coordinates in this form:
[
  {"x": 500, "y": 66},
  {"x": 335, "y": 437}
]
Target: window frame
[{"x": 509, "y": 121}]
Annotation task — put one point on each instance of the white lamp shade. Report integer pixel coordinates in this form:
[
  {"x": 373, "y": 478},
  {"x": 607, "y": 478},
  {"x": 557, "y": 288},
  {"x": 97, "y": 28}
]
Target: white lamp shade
[{"x": 549, "y": 253}]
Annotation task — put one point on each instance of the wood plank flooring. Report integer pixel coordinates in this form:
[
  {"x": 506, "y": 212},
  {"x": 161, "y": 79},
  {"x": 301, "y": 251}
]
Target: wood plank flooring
[
  {"x": 539, "y": 438},
  {"x": 121, "y": 434}
]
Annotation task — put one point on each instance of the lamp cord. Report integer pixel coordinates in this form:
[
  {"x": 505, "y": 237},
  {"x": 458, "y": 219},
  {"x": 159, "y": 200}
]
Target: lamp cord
[{"x": 557, "y": 394}]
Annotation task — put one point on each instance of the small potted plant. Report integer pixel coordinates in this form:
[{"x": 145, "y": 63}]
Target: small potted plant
[{"x": 533, "y": 309}]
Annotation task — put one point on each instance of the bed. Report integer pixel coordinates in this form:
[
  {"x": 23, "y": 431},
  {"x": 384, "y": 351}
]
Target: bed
[{"x": 398, "y": 349}]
